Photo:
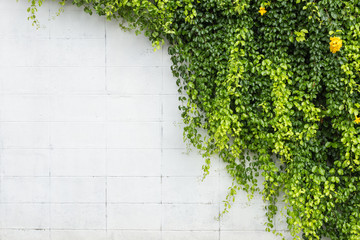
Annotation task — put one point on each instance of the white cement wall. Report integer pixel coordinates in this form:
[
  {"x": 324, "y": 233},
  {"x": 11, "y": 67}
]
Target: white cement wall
[{"x": 90, "y": 142}]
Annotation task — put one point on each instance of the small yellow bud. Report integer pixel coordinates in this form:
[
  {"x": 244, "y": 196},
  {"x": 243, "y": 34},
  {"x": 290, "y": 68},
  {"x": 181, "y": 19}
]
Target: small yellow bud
[
  {"x": 357, "y": 120},
  {"x": 262, "y": 11},
  {"x": 335, "y": 44}
]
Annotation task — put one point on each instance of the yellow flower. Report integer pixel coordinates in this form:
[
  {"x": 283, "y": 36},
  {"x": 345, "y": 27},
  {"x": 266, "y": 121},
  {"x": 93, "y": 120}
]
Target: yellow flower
[
  {"x": 357, "y": 120},
  {"x": 262, "y": 11},
  {"x": 335, "y": 44}
]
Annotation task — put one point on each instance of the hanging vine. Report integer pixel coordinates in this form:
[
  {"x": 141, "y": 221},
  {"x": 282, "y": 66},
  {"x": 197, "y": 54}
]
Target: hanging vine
[{"x": 275, "y": 84}]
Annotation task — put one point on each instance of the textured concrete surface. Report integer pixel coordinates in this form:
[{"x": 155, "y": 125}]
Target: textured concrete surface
[{"x": 91, "y": 142}]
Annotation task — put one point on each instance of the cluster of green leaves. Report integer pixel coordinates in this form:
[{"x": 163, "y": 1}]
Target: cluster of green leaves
[{"x": 270, "y": 105}]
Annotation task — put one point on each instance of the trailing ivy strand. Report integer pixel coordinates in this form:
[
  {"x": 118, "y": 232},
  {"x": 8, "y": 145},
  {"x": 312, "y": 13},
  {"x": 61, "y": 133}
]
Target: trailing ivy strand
[{"x": 274, "y": 98}]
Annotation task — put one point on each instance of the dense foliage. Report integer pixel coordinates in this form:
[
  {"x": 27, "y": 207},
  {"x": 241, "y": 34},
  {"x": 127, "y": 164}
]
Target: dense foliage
[{"x": 275, "y": 85}]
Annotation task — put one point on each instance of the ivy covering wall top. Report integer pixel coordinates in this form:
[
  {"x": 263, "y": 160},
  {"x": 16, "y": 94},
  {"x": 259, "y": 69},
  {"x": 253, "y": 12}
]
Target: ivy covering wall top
[{"x": 275, "y": 84}]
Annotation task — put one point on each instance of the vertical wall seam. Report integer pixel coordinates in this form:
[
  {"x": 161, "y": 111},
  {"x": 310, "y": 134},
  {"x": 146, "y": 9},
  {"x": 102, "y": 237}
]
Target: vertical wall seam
[
  {"x": 161, "y": 142},
  {"x": 106, "y": 135},
  {"x": 50, "y": 148},
  {"x": 219, "y": 193}
]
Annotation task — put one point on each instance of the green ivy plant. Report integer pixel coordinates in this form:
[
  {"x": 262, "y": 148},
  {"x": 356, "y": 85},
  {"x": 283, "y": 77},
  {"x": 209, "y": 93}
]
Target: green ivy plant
[{"x": 285, "y": 109}]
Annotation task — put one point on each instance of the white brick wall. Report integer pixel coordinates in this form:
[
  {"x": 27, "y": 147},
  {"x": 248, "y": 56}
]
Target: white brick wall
[{"x": 91, "y": 142}]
